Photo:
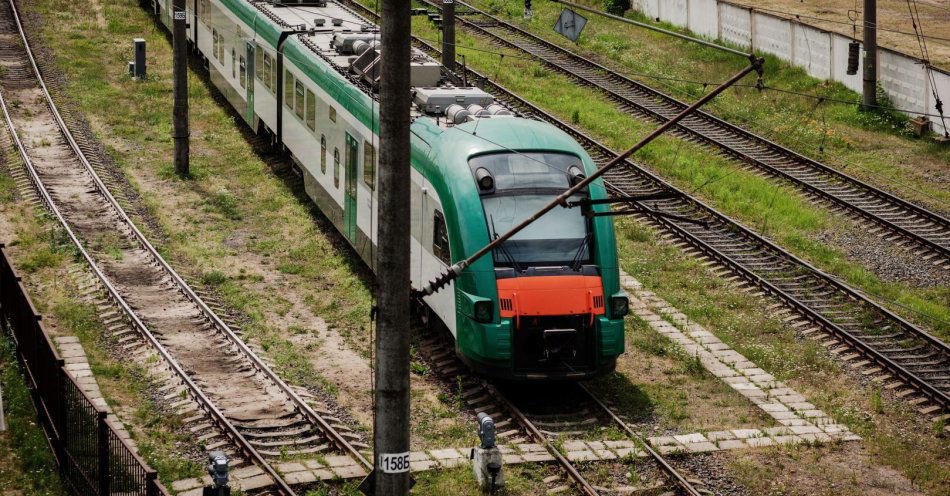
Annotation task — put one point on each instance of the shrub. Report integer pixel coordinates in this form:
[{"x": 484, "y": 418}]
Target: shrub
[{"x": 617, "y": 7}]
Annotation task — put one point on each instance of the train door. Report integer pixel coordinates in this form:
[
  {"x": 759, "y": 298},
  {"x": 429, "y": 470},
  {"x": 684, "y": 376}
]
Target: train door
[
  {"x": 250, "y": 71},
  {"x": 349, "y": 192}
]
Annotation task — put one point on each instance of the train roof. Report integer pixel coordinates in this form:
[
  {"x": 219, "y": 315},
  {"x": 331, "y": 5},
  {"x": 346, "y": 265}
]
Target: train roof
[{"x": 338, "y": 50}]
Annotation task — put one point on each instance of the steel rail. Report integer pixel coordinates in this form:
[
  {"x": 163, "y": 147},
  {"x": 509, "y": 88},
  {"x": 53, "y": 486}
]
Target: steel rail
[
  {"x": 635, "y": 171},
  {"x": 837, "y": 176},
  {"x": 529, "y": 426},
  {"x": 196, "y": 392},
  {"x": 298, "y": 402},
  {"x": 205, "y": 402},
  {"x": 664, "y": 464}
]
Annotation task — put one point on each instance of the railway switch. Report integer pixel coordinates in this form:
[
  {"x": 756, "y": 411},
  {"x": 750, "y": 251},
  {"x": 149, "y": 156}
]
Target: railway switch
[
  {"x": 218, "y": 470},
  {"x": 487, "y": 459}
]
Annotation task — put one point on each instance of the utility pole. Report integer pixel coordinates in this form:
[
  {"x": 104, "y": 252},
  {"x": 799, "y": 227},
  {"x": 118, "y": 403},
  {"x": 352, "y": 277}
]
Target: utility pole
[
  {"x": 391, "y": 426},
  {"x": 448, "y": 34},
  {"x": 180, "y": 69},
  {"x": 870, "y": 54}
]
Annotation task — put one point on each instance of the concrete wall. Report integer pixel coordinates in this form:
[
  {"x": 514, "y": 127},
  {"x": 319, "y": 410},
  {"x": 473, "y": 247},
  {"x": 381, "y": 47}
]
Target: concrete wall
[{"x": 822, "y": 54}]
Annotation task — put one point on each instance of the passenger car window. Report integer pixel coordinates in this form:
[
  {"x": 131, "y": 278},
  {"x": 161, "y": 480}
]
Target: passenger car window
[
  {"x": 299, "y": 90},
  {"x": 440, "y": 238},
  {"x": 336, "y": 167},
  {"x": 288, "y": 89},
  {"x": 323, "y": 154},
  {"x": 369, "y": 165},
  {"x": 311, "y": 111}
]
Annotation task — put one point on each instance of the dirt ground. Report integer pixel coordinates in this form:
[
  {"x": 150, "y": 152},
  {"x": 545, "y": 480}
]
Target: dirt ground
[{"x": 892, "y": 15}]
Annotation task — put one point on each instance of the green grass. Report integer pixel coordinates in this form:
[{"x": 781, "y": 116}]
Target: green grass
[
  {"x": 773, "y": 209},
  {"x": 893, "y": 434},
  {"x": 27, "y": 465},
  {"x": 864, "y": 143}
]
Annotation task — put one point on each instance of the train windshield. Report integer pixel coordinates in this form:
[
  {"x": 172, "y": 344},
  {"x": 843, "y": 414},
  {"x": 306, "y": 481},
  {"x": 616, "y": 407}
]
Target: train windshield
[{"x": 523, "y": 183}]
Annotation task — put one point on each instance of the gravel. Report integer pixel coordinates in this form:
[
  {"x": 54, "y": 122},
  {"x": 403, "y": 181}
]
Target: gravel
[{"x": 883, "y": 258}]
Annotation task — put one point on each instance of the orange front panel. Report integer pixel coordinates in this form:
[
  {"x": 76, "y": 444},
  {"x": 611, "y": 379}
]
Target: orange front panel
[{"x": 550, "y": 295}]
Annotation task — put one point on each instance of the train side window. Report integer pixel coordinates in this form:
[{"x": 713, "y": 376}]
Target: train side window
[
  {"x": 214, "y": 42},
  {"x": 440, "y": 238},
  {"x": 233, "y": 64},
  {"x": 369, "y": 165},
  {"x": 273, "y": 76},
  {"x": 311, "y": 111},
  {"x": 300, "y": 106},
  {"x": 332, "y": 114},
  {"x": 266, "y": 76},
  {"x": 323, "y": 154},
  {"x": 288, "y": 89},
  {"x": 243, "y": 71},
  {"x": 259, "y": 63},
  {"x": 336, "y": 168}
]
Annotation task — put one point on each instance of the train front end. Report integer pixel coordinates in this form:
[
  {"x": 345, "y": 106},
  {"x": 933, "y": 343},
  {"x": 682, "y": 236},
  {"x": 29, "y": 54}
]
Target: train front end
[{"x": 547, "y": 303}]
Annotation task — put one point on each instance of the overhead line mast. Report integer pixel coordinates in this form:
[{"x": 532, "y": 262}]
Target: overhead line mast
[
  {"x": 391, "y": 421},
  {"x": 180, "y": 106}
]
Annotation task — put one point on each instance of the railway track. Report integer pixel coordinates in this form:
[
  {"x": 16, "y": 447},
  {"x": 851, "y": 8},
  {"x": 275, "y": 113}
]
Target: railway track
[
  {"x": 241, "y": 406},
  {"x": 551, "y": 418},
  {"x": 903, "y": 221},
  {"x": 907, "y": 359}
]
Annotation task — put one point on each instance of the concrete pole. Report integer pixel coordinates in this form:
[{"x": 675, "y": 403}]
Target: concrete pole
[
  {"x": 391, "y": 425},
  {"x": 448, "y": 34},
  {"x": 180, "y": 69},
  {"x": 870, "y": 53}
]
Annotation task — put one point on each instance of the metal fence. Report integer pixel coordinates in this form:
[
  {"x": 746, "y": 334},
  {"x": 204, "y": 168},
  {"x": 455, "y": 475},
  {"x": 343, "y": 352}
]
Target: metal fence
[{"x": 93, "y": 459}]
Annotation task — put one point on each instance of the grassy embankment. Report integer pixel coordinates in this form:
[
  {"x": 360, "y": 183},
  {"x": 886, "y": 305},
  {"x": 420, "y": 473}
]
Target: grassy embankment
[
  {"x": 894, "y": 436},
  {"x": 43, "y": 256},
  {"x": 775, "y": 210}
]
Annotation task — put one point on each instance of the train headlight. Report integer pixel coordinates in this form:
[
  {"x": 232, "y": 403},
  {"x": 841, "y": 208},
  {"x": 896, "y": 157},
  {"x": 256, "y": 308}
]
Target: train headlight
[
  {"x": 619, "y": 306},
  {"x": 483, "y": 311},
  {"x": 486, "y": 182}
]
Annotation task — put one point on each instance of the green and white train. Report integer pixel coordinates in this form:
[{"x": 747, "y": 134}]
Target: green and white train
[{"x": 547, "y": 305}]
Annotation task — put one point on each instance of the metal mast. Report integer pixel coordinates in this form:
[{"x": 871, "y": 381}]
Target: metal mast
[
  {"x": 180, "y": 69},
  {"x": 391, "y": 425},
  {"x": 870, "y": 54}
]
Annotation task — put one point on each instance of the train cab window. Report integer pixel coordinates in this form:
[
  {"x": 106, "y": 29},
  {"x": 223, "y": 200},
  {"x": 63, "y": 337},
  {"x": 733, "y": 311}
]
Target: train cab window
[
  {"x": 369, "y": 165},
  {"x": 336, "y": 167},
  {"x": 265, "y": 77},
  {"x": 312, "y": 111},
  {"x": 323, "y": 154},
  {"x": 259, "y": 63},
  {"x": 298, "y": 89},
  {"x": 440, "y": 238},
  {"x": 288, "y": 89},
  {"x": 242, "y": 67},
  {"x": 332, "y": 114}
]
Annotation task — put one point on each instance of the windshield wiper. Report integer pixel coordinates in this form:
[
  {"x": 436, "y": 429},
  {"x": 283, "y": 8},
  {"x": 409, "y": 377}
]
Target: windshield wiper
[
  {"x": 576, "y": 261},
  {"x": 504, "y": 251}
]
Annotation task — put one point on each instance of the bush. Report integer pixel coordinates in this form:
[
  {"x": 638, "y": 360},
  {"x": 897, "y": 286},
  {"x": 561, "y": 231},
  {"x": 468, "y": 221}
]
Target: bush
[{"x": 617, "y": 7}]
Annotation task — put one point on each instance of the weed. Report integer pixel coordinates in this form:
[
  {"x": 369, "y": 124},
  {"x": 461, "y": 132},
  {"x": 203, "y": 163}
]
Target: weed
[{"x": 214, "y": 278}]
